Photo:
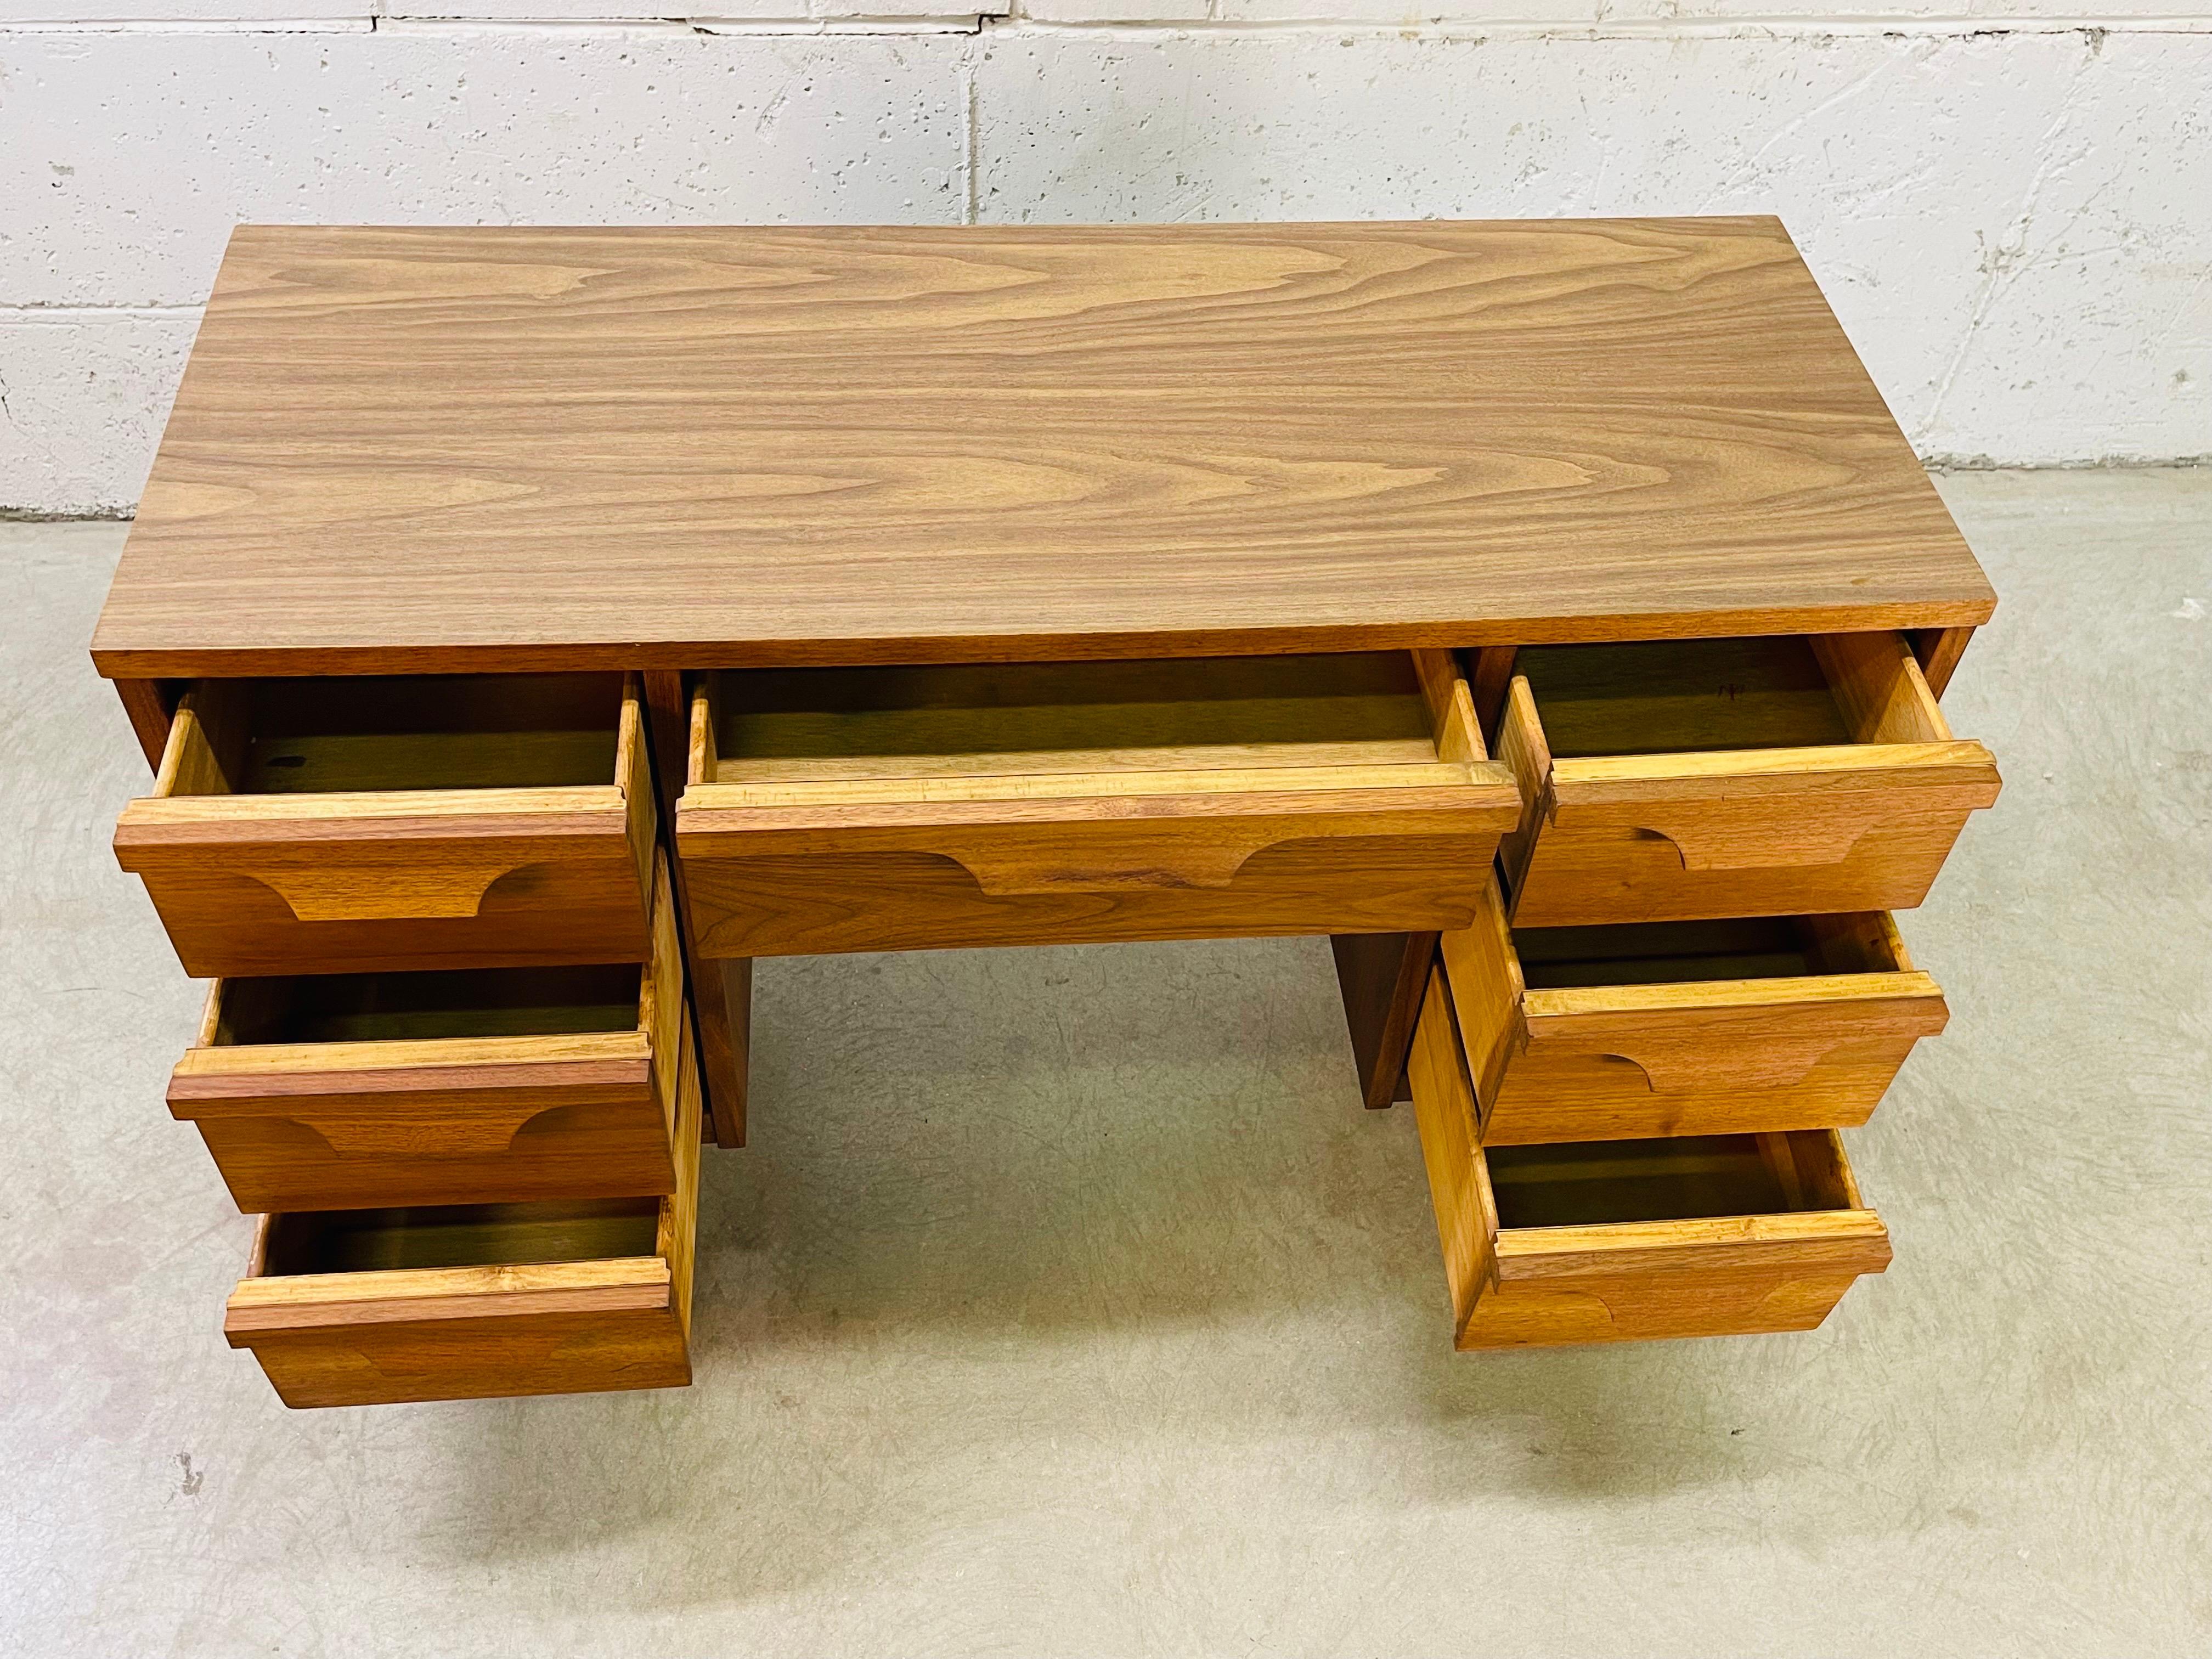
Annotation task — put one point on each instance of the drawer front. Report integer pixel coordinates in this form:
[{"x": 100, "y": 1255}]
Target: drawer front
[
  {"x": 1235, "y": 801},
  {"x": 1588, "y": 1093},
  {"x": 1625, "y": 1060},
  {"x": 1641, "y": 1307},
  {"x": 826, "y": 904},
  {"x": 508, "y": 1325},
  {"x": 1647, "y": 835},
  {"x": 371, "y": 880},
  {"x": 1779, "y": 1265},
  {"x": 1594, "y": 863},
  {"x": 573, "y": 1107}
]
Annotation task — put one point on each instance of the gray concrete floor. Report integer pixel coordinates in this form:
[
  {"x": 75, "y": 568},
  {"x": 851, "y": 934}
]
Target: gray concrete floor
[{"x": 1066, "y": 1302}]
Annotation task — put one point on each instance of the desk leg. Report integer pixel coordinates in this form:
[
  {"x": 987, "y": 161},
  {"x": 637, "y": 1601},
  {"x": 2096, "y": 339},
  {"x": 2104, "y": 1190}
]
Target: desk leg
[
  {"x": 726, "y": 1034},
  {"x": 1939, "y": 650},
  {"x": 721, "y": 992},
  {"x": 147, "y": 703},
  {"x": 1381, "y": 977},
  {"x": 1489, "y": 676}
]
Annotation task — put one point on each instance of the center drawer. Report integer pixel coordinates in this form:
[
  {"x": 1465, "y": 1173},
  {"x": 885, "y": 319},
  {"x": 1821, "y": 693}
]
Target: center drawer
[
  {"x": 370, "y": 1307},
  {"x": 1680, "y": 1027},
  {"x": 1617, "y": 1240},
  {"x": 888, "y": 808},
  {"x": 303, "y": 826},
  {"x": 1694, "y": 778},
  {"x": 350, "y": 1090}
]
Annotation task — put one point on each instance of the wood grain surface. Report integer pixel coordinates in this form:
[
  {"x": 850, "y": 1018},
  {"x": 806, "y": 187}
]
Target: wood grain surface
[{"x": 700, "y": 446}]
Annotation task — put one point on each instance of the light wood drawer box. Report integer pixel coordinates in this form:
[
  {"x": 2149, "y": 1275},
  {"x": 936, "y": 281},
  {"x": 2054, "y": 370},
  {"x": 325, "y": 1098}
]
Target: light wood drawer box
[
  {"x": 1680, "y": 1027},
  {"x": 451, "y": 1086},
  {"x": 1765, "y": 776},
  {"x": 890, "y": 809},
  {"x": 369, "y": 1307},
  {"x": 329, "y": 825},
  {"x": 1621, "y": 1241}
]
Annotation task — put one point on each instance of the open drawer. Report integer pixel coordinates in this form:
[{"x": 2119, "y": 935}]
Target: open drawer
[
  {"x": 328, "y": 825},
  {"x": 1620, "y": 1240},
  {"x": 453, "y": 1086},
  {"x": 1680, "y": 1027},
  {"x": 368, "y": 1307},
  {"x": 888, "y": 808},
  {"x": 1691, "y": 778}
]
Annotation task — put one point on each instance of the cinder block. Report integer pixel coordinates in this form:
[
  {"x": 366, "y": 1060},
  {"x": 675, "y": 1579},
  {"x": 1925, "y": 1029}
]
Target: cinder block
[
  {"x": 1117, "y": 11},
  {"x": 354, "y": 14},
  {"x": 579, "y": 11},
  {"x": 358, "y": 13},
  {"x": 1613, "y": 14},
  {"x": 708, "y": 12}
]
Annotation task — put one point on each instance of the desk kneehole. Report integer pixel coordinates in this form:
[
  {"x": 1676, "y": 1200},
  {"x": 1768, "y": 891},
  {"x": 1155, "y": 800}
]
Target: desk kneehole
[
  {"x": 372, "y": 1307},
  {"x": 1616, "y": 1241},
  {"x": 449, "y": 1086},
  {"x": 887, "y": 809},
  {"x": 1682, "y": 1028},
  {"x": 303, "y": 826},
  {"x": 1702, "y": 778}
]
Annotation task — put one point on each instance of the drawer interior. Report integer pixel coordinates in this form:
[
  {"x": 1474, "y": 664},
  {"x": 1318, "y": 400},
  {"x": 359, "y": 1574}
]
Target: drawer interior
[
  {"x": 833, "y": 724},
  {"x": 459, "y": 1235},
  {"x": 1684, "y": 952},
  {"x": 282, "y": 737},
  {"x": 1700, "y": 695},
  {"x": 463, "y": 1003},
  {"x": 1604, "y": 1183}
]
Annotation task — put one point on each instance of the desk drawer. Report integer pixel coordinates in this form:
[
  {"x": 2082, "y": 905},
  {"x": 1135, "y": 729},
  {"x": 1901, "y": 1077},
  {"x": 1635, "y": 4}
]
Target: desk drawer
[
  {"x": 1681, "y": 1027},
  {"x": 483, "y": 1086},
  {"x": 888, "y": 809},
  {"x": 369, "y": 1307},
  {"x": 376, "y": 824},
  {"x": 1695, "y": 778},
  {"x": 1621, "y": 1241}
]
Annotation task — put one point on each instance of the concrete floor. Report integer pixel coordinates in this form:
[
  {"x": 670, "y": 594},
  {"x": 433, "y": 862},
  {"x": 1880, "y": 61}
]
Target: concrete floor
[{"x": 1066, "y": 1302}]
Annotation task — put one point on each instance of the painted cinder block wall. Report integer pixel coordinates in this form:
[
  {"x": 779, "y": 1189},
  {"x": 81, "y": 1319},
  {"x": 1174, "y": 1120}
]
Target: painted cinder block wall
[{"x": 2010, "y": 206}]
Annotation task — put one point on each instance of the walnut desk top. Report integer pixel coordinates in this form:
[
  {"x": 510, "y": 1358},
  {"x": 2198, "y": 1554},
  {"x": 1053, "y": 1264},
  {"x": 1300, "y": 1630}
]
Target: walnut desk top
[{"x": 487, "y": 449}]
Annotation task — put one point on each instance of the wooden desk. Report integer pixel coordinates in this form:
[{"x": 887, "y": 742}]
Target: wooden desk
[{"x": 780, "y": 484}]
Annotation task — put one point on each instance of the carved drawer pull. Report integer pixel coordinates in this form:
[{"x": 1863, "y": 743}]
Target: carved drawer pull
[
  {"x": 1783, "y": 841},
  {"x": 334, "y": 892},
  {"x": 412, "y": 1135},
  {"x": 1115, "y": 859},
  {"x": 1693, "y": 1068}
]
